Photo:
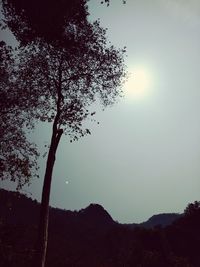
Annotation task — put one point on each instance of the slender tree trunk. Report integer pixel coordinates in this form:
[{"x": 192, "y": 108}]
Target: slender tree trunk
[{"x": 44, "y": 209}]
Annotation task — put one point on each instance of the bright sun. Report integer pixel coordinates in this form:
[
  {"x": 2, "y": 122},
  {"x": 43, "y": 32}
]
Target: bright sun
[{"x": 138, "y": 84}]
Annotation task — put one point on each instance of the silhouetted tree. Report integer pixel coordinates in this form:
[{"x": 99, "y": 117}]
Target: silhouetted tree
[
  {"x": 61, "y": 81},
  {"x": 108, "y": 2},
  {"x": 61, "y": 71},
  {"x": 33, "y": 20},
  {"x": 18, "y": 160},
  {"x": 30, "y": 21},
  {"x": 193, "y": 209}
]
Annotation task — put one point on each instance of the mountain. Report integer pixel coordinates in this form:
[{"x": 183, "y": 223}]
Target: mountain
[
  {"x": 163, "y": 219},
  {"x": 90, "y": 237},
  {"x": 95, "y": 214},
  {"x": 13, "y": 205},
  {"x": 16, "y": 208}
]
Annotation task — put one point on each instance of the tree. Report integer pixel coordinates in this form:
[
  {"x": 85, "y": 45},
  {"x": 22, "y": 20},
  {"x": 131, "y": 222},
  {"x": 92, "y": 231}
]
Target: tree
[
  {"x": 60, "y": 73},
  {"x": 30, "y": 21},
  {"x": 18, "y": 161},
  {"x": 108, "y": 2},
  {"x": 192, "y": 209},
  {"x": 61, "y": 81},
  {"x": 46, "y": 19}
]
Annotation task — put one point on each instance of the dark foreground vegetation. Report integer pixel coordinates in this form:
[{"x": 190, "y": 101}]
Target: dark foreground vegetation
[{"x": 90, "y": 237}]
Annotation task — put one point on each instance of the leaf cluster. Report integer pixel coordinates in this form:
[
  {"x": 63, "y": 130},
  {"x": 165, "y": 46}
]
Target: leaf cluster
[
  {"x": 62, "y": 66},
  {"x": 18, "y": 155},
  {"x": 107, "y": 2},
  {"x": 62, "y": 81},
  {"x": 45, "y": 20}
]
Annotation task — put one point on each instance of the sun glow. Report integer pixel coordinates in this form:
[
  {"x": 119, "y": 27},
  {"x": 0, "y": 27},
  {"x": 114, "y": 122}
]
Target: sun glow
[{"x": 138, "y": 84}]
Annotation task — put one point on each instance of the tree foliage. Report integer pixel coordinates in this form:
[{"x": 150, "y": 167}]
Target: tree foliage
[
  {"x": 107, "y": 2},
  {"x": 58, "y": 75},
  {"x": 46, "y": 19},
  {"x": 67, "y": 80},
  {"x": 35, "y": 20},
  {"x": 193, "y": 209},
  {"x": 18, "y": 161},
  {"x": 60, "y": 32}
]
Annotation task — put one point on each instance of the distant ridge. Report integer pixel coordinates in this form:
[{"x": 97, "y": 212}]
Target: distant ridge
[
  {"x": 90, "y": 237},
  {"x": 162, "y": 219},
  {"x": 15, "y": 204}
]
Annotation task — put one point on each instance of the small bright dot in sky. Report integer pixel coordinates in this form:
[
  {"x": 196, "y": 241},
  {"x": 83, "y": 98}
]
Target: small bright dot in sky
[
  {"x": 67, "y": 182},
  {"x": 138, "y": 84}
]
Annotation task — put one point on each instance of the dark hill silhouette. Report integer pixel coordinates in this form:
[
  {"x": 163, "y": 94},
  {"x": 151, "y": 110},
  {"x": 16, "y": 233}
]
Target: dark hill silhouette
[
  {"x": 162, "y": 219},
  {"x": 90, "y": 237},
  {"x": 95, "y": 214},
  {"x": 13, "y": 205}
]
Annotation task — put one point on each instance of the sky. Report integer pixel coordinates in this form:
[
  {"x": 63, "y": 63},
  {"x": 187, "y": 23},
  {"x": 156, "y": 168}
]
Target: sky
[{"x": 143, "y": 157}]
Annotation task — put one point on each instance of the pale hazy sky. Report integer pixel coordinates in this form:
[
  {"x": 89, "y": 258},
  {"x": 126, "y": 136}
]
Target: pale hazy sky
[{"x": 144, "y": 156}]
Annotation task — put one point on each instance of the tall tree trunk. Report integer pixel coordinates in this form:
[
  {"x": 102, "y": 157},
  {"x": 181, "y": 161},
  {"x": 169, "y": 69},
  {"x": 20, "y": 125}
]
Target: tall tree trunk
[{"x": 44, "y": 209}]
